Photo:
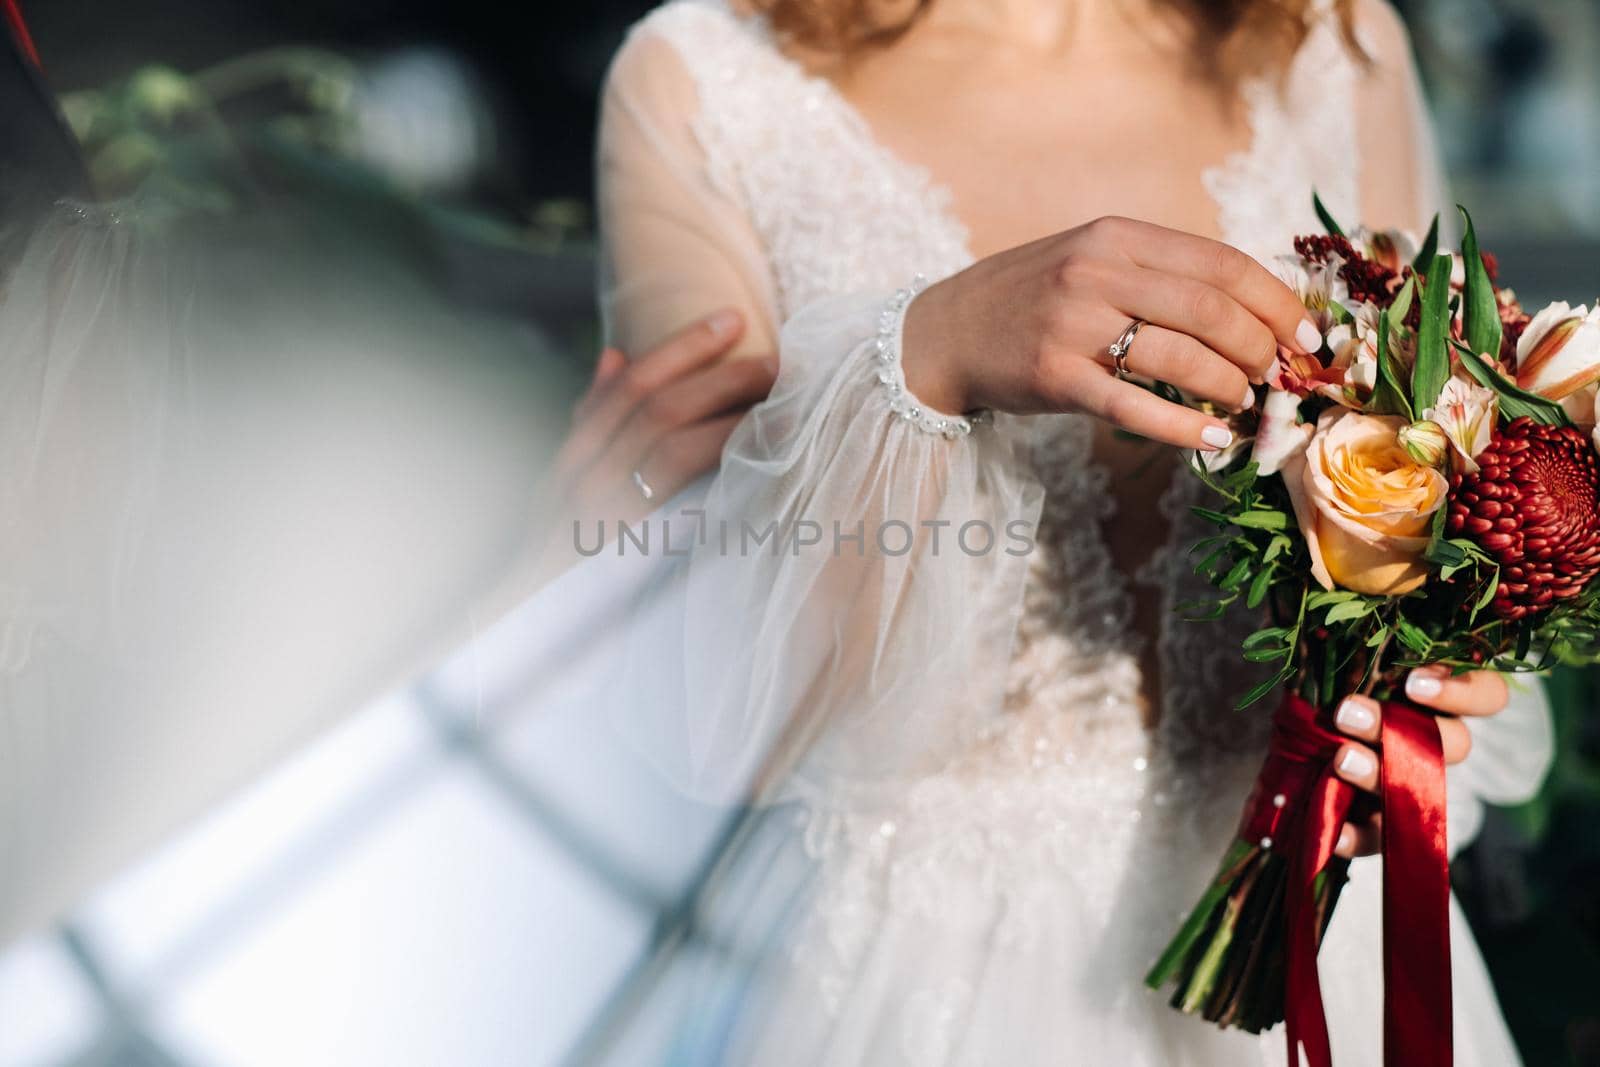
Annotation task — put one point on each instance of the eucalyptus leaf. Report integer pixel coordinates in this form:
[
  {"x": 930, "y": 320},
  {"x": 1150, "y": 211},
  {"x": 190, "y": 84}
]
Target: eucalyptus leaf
[
  {"x": 1413, "y": 637},
  {"x": 1350, "y": 609},
  {"x": 1265, "y": 687},
  {"x": 1262, "y": 519},
  {"x": 1266, "y": 636},
  {"x": 1259, "y": 587}
]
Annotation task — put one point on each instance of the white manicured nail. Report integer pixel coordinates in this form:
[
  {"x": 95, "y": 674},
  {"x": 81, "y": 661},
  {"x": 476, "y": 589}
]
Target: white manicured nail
[
  {"x": 1249, "y": 400},
  {"x": 1357, "y": 763},
  {"x": 1354, "y": 717},
  {"x": 1423, "y": 686},
  {"x": 1308, "y": 336},
  {"x": 1216, "y": 437}
]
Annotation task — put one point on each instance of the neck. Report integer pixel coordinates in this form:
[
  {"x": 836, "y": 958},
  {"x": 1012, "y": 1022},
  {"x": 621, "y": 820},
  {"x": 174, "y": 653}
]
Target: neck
[{"x": 1052, "y": 25}]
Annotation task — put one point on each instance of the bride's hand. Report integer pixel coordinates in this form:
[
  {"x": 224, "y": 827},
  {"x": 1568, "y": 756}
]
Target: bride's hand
[
  {"x": 1476, "y": 693},
  {"x": 660, "y": 419},
  {"x": 1029, "y": 330}
]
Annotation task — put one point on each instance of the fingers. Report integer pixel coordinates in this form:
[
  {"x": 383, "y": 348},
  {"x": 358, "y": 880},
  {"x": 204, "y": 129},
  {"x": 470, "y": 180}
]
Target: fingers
[
  {"x": 693, "y": 346},
  {"x": 1181, "y": 361},
  {"x": 1141, "y": 412},
  {"x": 1473, "y": 693},
  {"x": 686, "y": 454},
  {"x": 1361, "y": 718},
  {"x": 679, "y": 356},
  {"x": 1358, "y": 765},
  {"x": 1202, "y": 311},
  {"x": 611, "y": 363},
  {"x": 731, "y": 385},
  {"x": 1235, "y": 273},
  {"x": 1364, "y": 837}
]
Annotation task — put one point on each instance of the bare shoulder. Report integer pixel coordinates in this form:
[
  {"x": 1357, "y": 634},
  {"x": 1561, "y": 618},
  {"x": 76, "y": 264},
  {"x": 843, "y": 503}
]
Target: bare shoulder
[{"x": 1382, "y": 33}]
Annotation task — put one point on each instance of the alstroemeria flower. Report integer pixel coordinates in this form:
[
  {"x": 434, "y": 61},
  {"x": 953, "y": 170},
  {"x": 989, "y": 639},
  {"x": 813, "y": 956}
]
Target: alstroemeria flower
[
  {"x": 1465, "y": 411},
  {"x": 1352, "y": 372},
  {"x": 1558, "y": 353},
  {"x": 1318, "y": 285},
  {"x": 1394, "y": 249},
  {"x": 1281, "y": 435}
]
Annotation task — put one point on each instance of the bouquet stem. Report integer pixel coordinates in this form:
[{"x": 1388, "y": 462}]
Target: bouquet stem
[{"x": 1228, "y": 959}]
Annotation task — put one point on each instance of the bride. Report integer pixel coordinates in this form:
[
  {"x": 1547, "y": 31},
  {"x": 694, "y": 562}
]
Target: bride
[{"x": 989, "y": 765}]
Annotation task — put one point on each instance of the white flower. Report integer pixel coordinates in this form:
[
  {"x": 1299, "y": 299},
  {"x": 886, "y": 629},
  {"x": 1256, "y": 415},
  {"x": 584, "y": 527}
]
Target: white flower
[
  {"x": 1318, "y": 285},
  {"x": 1354, "y": 345},
  {"x": 1559, "y": 352},
  {"x": 1281, "y": 435},
  {"x": 1393, "y": 248},
  {"x": 1465, "y": 411}
]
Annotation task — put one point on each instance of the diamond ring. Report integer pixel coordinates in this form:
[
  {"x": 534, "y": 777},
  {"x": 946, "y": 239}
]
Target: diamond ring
[{"x": 1119, "y": 349}]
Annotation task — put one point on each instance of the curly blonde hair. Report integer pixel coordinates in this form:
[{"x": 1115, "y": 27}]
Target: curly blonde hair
[{"x": 1237, "y": 33}]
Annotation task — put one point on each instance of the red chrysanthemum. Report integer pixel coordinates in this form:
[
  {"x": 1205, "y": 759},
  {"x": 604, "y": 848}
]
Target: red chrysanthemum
[{"x": 1534, "y": 505}]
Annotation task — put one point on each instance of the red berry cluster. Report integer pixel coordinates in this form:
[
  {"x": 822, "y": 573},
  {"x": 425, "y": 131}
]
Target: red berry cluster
[
  {"x": 1368, "y": 281},
  {"x": 1534, "y": 506}
]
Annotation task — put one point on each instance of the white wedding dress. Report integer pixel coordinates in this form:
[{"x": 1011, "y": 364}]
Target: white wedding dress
[{"x": 967, "y": 849}]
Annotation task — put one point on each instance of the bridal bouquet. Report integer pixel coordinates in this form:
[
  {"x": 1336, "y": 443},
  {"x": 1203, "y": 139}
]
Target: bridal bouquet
[{"x": 1425, "y": 489}]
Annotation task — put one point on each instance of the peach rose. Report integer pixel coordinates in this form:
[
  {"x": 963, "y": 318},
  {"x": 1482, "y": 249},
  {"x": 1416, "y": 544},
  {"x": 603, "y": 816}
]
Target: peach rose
[{"x": 1363, "y": 504}]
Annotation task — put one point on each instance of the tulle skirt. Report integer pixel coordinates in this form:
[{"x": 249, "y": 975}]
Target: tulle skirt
[{"x": 993, "y": 920}]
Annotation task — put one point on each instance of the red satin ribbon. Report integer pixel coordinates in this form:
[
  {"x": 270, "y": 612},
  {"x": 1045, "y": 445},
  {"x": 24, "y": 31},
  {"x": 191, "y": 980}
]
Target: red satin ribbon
[
  {"x": 1300, "y": 805},
  {"x": 19, "y": 30},
  {"x": 1417, "y": 1021}
]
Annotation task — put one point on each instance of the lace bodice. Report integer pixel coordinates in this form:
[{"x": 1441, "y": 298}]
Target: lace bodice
[{"x": 836, "y": 212}]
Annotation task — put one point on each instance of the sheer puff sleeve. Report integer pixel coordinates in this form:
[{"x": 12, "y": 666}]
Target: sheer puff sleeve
[{"x": 838, "y": 602}]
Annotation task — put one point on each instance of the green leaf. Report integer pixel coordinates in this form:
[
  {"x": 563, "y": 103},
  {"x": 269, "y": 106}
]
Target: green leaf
[
  {"x": 1378, "y": 637},
  {"x": 1445, "y": 554},
  {"x": 1488, "y": 593},
  {"x": 1514, "y": 402},
  {"x": 1326, "y": 216},
  {"x": 1262, "y": 519},
  {"x": 1481, "y": 316},
  {"x": 1388, "y": 398},
  {"x": 1259, "y": 587},
  {"x": 1402, "y": 303},
  {"x": 1433, "y": 352},
  {"x": 1350, "y": 609},
  {"x": 1204, "y": 611},
  {"x": 1265, "y": 687},
  {"x": 1267, "y": 636},
  {"x": 1323, "y": 597},
  {"x": 1430, "y": 246},
  {"x": 1236, "y": 576},
  {"x": 1413, "y": 637},
  {"x": 1213, "y": 516}
]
